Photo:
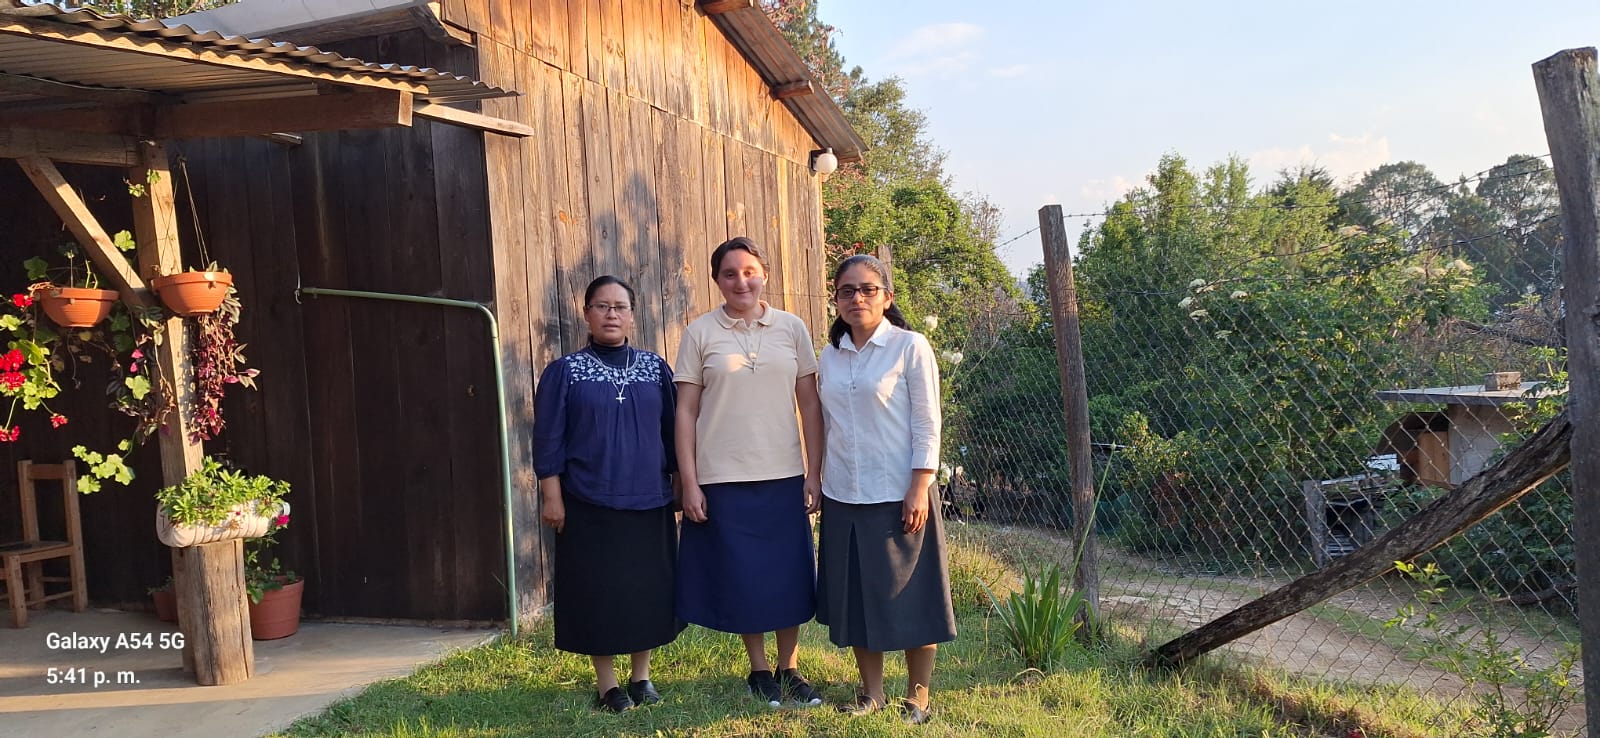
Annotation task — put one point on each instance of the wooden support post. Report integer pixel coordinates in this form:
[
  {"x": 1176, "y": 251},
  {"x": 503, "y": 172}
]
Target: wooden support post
[
  {"x": 96, "y": 243},
  {"x": 1316, "y": 521},
  {"x": 1538, "y": 458},
  {"x": 1075, "y": 400},
  {"x": 209, "y": 579},
  {"x": 1569, "y": 96}
]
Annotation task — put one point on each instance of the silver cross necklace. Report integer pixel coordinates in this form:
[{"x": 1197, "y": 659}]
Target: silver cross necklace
[
  {"x": 751, "y": 325},
  {"x": 619, "y": 378}
]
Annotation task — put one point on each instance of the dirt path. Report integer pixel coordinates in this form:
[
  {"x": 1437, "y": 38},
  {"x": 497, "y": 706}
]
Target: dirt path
[{"x": 1304, "y": 644}]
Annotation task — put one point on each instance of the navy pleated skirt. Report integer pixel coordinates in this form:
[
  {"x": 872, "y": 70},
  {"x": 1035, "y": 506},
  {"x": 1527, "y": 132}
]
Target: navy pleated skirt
[{"x": 751, "y": 567}]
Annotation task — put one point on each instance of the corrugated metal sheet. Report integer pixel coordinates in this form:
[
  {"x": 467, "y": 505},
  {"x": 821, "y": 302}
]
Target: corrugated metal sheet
[
  {"x": 46, "y": 42},
  {"x": 764, "y": 46}
]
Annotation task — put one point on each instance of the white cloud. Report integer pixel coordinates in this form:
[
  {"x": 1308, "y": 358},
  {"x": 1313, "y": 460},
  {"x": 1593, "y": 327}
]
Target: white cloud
[
  {"x": 1105, "y": 190},
  {"x": 933, "y": 39},
  {"x": 1342, "y": 156},
  {"x": 1051, "y": 199},
  {"x": 1010, "y": 71},
  {"x": 941, "y": 49}
]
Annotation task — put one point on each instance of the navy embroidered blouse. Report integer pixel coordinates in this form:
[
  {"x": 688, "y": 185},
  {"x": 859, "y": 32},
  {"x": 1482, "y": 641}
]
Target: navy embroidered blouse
[{"x": 612, "y": 453}]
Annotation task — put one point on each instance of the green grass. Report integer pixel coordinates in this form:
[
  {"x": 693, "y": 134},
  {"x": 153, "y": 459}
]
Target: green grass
[{"x": 527, "y": 688}]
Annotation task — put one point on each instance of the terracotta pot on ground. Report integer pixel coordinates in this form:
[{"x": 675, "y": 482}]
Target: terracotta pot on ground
[
  {"x": 76, "y": 307},
  {"x": 277, "y": 615},
  {"x": 192, "y": 293},
  {"x": 166, "y": 605}
]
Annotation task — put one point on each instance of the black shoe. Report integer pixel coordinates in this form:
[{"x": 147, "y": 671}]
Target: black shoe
[
  {"x": 796, "y": 688},
  {"x": 914, "y": 715},
  {"x": 643, "y": 692},
  {"x": 764, "y": 687},
  {"x": 615, "y": 700}
]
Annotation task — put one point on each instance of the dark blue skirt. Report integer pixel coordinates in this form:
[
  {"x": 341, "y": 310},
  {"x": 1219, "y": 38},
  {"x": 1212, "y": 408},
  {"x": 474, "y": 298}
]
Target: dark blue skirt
[{"x": 751, "y": 567}]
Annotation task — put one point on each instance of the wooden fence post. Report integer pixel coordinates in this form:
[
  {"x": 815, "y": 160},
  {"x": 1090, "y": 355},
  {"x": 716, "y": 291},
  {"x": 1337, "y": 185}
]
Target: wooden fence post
[
  {"x": 1075, "y": 400},
  {"x": 1569, "y": 96}
]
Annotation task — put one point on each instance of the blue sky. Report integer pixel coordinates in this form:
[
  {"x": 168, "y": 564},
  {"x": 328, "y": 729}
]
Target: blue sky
[{"x": 1073, "y": 103}]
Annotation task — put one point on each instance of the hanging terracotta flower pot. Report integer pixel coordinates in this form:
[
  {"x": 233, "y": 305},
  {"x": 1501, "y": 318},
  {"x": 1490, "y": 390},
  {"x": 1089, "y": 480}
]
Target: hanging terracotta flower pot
[
  {"x": 76, "y": 307},
  {"x": 192, "y": 293}
]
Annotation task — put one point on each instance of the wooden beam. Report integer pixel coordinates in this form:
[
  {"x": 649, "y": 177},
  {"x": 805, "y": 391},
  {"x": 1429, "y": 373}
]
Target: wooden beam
[
  {"x": 108, "y": 261},
  {"x": 133, "y": 122},
  {"x": 356, "y": 110},
  {"x": 19, "y": 27},
  {"x": 77, "y": 148},
  {"x": 473, "y": 120},
  {"x": 42, "y": 87},
  {"x": 718, "y": 7},
  {"x": 1570, "y": 101},
  {"x": 793, "y": 89}
]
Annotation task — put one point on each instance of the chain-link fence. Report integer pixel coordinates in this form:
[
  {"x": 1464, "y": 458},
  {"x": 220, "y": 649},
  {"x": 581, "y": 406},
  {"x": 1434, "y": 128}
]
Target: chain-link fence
[{"x": 1275, "y": 379}]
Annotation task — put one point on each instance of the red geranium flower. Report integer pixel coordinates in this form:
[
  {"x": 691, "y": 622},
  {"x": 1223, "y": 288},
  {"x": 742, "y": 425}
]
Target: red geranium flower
[
  {"x": 21, "y": 300},
  {"x": 57, "y": 420}
]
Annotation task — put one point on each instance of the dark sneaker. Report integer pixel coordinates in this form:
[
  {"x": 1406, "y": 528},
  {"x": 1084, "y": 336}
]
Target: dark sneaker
[
  {"x": 764, "y": 687},
  {"x": 614, "y": 700},
  {"x": 797, "y": 689},
  {"x": 643, "y": 692}
]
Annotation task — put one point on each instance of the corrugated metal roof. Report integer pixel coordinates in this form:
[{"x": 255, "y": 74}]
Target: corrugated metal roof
[
  {"x": 1470, "y": 394},
  {"x": 764, "y": 46},
  {"x": 87, "y": 48}
]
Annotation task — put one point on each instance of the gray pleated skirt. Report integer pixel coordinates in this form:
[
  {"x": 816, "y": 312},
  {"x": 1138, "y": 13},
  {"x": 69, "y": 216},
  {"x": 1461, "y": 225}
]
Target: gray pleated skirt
[{"x": 877, "y": 587}]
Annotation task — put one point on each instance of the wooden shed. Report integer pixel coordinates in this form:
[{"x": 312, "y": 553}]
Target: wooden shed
[
  {"x": 646, "y": 132},
  {"x": 1446, "y": 447}
]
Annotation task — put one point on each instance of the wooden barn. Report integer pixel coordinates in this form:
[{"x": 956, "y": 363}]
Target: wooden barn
[{"x": 645, "y": 133}]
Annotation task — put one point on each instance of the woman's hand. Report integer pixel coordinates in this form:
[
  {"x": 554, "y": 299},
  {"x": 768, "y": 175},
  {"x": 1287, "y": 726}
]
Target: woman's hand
[
  {"x": 694, "y": 503},
  {"x": 553, "y": 513},
  {"x": 914, "y": 512},
  {"x": 813, "y": 494}
]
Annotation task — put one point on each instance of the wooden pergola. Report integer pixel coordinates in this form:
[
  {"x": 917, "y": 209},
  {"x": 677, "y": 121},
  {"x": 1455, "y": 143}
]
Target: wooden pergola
[{"x": 85, "y": 88}]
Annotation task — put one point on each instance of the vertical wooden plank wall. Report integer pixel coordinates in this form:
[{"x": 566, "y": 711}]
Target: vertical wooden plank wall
[{"x": 655, "y": 142}]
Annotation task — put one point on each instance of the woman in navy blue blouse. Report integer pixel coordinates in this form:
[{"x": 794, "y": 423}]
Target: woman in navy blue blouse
[{"x": 603, "y": 450}]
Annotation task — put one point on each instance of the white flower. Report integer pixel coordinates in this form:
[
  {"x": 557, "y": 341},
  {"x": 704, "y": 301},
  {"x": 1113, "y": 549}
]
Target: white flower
[
  {"x": 1186, "y": 302},
  {"x": 1239, "y": 294},
  {"x": 1198, "y": 314},
  {"x": 1193, "y": 283},
  {"x": 954, "y": 357},
  {"x": 932, "y": 321}
]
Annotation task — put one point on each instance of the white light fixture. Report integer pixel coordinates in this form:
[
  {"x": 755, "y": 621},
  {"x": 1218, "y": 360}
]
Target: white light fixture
[{"x": 824, "y": 162}]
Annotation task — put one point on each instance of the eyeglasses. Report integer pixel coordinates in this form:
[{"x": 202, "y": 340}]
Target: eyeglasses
[
  {"x": 868, "y": 291},
  {"x": 604, "y": 308}
]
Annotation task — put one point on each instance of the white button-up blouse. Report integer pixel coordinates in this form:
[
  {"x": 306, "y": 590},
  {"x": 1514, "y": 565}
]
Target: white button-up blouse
[{"x": 881, "y": 408}]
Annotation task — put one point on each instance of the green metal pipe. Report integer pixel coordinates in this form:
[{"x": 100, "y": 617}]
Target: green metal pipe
[{"x": 500, "y": 403}]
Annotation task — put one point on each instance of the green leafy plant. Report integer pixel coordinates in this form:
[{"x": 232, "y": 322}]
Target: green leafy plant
[
  {"x": 41, "y": 359},
  {"x": 214, "y": 492},
  {"x": 263, "y": 572},
  {"x": 1040, "y": 621},
  {"x": 1519, "y": 699}
]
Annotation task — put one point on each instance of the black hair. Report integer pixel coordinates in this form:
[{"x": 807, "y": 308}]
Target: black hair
[
  {"x": 739, "y": 243},
  {"x": 891, "y": 314},
  {"x": 603, "y": 280}
]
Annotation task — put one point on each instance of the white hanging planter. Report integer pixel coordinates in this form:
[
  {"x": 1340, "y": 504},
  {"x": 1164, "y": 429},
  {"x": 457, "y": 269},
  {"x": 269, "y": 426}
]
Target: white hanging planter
[{"x": 243, "y": 521}]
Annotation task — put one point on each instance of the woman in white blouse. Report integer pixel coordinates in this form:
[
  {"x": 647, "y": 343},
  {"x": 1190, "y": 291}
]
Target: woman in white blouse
[{"x": 883, "y": 580}]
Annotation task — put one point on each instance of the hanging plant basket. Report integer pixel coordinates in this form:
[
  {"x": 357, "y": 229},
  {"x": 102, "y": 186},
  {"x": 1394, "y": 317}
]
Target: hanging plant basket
[
  {"x": 192, "y": 293},
  {"x": 76, "y": 307},
  {"x": 241, "y": 522}
]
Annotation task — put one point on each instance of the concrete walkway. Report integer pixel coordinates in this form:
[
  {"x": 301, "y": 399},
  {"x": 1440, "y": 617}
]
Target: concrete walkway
[{"x": 142, "y": 692}]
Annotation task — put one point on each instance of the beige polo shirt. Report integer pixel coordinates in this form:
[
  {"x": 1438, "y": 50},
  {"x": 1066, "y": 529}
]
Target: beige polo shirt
[{"x": 749, "y": 428}]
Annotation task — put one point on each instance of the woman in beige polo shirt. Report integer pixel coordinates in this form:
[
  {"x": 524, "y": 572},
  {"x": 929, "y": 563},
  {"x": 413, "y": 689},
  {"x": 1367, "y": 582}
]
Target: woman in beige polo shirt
[{"x": 745, "y": 557}]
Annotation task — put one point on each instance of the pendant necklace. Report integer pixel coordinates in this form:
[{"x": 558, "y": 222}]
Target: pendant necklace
[
  {"x": 751, "y": 355},
  {"x": 619, "y": 377}
]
